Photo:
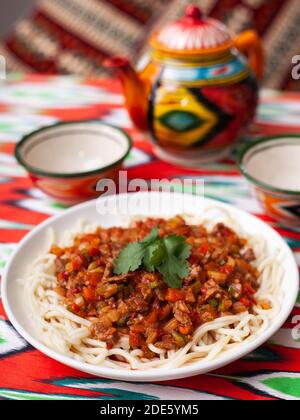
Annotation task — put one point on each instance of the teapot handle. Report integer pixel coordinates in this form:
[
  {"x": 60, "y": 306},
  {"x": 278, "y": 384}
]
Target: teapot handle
[{"x": 249, "y": 43}]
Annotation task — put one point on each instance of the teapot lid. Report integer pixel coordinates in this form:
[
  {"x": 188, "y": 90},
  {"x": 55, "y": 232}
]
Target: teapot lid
[{"x": 192, "y": 35}]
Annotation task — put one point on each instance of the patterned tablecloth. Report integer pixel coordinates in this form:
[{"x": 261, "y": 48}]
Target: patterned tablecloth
[{"x": 271, "y": 372}]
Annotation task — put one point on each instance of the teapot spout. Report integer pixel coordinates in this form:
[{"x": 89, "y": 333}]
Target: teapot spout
[{"x": 134, "y": 89}]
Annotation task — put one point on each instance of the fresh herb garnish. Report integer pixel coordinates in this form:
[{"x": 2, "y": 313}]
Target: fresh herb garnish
[{"x": 167, "y": 255}]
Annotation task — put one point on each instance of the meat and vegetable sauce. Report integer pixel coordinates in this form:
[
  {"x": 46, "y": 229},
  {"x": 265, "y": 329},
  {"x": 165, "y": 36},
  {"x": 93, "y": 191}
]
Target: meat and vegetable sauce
[{"x": 220, "y": 281}]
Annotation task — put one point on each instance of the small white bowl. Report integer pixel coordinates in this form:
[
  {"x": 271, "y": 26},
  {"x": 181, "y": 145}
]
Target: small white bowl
[
  {"x": 67, "y": 160},
  {"x": 36, "y": 243},
  {"x": 272, "y": 166}
]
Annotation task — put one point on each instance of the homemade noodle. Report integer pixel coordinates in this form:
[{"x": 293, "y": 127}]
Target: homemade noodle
[{"x": 70, "y": 334}]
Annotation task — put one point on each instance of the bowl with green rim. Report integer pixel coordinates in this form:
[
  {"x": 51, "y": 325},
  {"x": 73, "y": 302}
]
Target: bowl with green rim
[
  {"x": 272, "y": 166},
  {"x": 67, "y": 160}
]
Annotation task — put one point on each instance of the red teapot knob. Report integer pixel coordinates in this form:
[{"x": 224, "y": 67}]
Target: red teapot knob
[{"x": 193, "y": 12}]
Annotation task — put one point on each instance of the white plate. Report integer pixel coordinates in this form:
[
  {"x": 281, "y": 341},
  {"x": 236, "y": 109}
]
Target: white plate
[{"x": 35, "y": 243}]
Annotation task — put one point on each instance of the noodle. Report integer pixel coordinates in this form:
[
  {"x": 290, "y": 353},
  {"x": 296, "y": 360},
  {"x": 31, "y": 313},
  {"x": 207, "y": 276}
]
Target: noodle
[{"x": 70, "y": 335}]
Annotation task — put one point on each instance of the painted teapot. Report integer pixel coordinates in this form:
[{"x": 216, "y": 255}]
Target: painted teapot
[{"x": 198, "y": 89}]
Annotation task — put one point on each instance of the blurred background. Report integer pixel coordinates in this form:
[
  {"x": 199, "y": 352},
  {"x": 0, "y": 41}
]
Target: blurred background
[
  {"x": 11, "y": 10},
  {"x": 74, "y": 36}
]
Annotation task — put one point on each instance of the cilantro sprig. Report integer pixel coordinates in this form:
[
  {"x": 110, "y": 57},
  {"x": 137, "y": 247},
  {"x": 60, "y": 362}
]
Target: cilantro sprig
[{"x": 167, "y": 255}]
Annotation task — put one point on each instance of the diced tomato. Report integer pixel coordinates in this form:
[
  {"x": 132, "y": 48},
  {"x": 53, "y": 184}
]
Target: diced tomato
[
  {"x": 184, "y": 329},
  {"x": 189, "y": 295},
  {"x": 75, "y": 308},
  {"x": 89, "y": 294},
  {"x": 56, "y": 251},
  {"x": 226, "y": 269},
  {"x": 77, "y": 263},
  {"x": 94, "y": 278},
  {"x": 194, "y": 317},
  {"x": 63, "y": 276},
  {"x": 249, "y": 289},
  {"x": 173, "y": 295},
  {"x": 135, "y": 340},
  {"x": 94, "y": 252},
  {"x": 152, "y": 318},
  {"x": 246, "y": 266},
  {"x": 193, "y": 259},
  {"x": 142, "y": 306},
  {"x": 253, "y": 300},
  {"x": 138, "y": 328},
  {"x": 246, "y": 302},
  {"x": 204, "y": 249},
  {"x": 165, "y": 311}
]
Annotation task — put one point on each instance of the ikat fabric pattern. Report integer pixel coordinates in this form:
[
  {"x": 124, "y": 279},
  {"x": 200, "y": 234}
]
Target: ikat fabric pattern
[{"x": 26, "y": 103}]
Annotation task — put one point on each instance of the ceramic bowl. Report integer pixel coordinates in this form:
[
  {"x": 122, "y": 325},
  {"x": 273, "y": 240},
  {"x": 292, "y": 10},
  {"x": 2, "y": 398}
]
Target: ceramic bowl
[
  {"x": 67, "y": 160},
  {"x": 272, "y": 165}
]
